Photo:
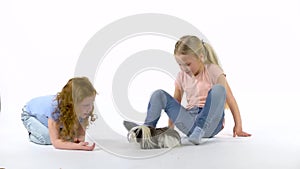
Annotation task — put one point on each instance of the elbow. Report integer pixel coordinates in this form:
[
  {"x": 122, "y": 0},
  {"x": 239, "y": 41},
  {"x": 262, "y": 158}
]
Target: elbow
[{"x": 56, "y": 144}]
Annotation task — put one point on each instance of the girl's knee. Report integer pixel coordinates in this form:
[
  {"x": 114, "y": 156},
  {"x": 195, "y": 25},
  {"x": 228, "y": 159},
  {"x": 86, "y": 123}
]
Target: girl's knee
[
  {"x": 158, "y": 93},
  {"x": 47, "y": 140},
  {"x": 43, "y": 139},
  {"x": 220, "y": 89}
]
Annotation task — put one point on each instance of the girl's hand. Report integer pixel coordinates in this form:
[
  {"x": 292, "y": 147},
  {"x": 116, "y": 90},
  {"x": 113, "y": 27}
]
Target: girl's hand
[
  {"x": 85, "y": 146},
  {"x": 238, "y": 131},
  {"x": 202, "y": 101}
]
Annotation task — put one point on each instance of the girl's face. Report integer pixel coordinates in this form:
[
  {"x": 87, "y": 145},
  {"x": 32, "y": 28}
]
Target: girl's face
[
  {"x": 190, "y": 64},
  {"x": 85, "y": 107}
]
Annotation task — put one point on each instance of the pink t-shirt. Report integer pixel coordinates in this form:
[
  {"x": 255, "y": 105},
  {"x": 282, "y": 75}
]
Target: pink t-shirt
[{"x": 198, "y": 86}]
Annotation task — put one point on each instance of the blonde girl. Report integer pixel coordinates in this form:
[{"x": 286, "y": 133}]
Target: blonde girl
[{"x": 203, "y": 81}]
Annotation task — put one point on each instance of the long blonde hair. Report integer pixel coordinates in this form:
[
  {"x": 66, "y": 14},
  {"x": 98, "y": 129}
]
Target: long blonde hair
[
  {"x": 73, "y": 93},
  {"x": 192, "y": 45}
]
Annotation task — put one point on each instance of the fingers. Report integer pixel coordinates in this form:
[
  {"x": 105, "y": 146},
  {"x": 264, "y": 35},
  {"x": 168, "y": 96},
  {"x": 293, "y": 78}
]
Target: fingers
[
  {"x": 202, "y": 101},
  {"x": 244, "y": 134},
  {"x": 241, "y": 134},
  {"x": 84, "y": 143},
  {"x": 85, "y": 146},
  {"x": 238, "y": 131},
  {"x": 93, "y": 146}
]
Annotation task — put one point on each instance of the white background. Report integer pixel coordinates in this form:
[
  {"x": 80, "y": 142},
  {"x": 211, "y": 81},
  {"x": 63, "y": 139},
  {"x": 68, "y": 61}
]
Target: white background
[{"x": 257, "y": 42}]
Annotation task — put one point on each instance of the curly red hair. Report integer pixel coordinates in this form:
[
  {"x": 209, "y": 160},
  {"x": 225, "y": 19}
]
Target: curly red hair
[{"x": 71, "y": 94}]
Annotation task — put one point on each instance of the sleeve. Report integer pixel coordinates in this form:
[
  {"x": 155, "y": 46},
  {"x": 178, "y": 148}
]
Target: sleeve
[
  {"x": 214, "y": 72},
  {"x": 54, "y": 116},
  {"x": 54, "y": 113}
]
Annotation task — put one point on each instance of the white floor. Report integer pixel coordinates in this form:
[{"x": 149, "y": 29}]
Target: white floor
[
  {"x": 258, "y": 42},
  {"x": 275, "y": 144}
]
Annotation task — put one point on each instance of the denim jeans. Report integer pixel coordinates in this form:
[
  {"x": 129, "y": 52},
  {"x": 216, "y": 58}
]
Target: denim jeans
[
  {"x": 209, "y": 118},
  {"x": 38, "y": 133}
]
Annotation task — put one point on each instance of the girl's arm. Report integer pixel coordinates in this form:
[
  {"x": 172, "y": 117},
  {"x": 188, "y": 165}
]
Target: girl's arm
[
  {"x": 60, "y": 144},
  {"x": 178, "y": 97},
  {"x": 233, "y": 106}
]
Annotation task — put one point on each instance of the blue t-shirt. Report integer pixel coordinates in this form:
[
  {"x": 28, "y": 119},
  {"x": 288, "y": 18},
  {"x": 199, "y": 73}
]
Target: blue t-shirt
[{"x": 42, "y": 108}]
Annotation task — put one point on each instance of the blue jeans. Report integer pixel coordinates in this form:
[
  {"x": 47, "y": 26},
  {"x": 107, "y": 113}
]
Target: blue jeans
[
  {"x": 209, "y": 118},
  {"x": 38, "y": 133}
]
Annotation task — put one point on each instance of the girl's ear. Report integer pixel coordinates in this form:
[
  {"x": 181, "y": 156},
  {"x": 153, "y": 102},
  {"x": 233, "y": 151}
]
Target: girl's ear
[{"x": 201, "y": 57}]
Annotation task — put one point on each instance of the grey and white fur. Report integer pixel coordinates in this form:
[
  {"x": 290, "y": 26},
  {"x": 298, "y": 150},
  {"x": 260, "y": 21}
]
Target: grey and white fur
[{"x": 153, "y": 138}]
